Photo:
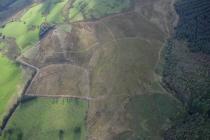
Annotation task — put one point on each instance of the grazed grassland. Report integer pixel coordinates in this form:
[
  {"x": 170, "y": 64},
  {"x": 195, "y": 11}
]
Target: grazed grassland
[
  {"x": 28, "y": 26},
  {"x": 10, "y": 79},
  {"x": 48, "y": 119},
  {"x": 92, "y": 9}
]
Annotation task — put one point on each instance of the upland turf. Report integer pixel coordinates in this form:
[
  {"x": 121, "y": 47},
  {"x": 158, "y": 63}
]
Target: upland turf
[
  {"x": 125, "y": 76},
  {"x": 93, "y": 9},
  {"x": 48, "y": 119},
  {"x": 28, "y": 26},
  {"x": 10, "y": 79}
]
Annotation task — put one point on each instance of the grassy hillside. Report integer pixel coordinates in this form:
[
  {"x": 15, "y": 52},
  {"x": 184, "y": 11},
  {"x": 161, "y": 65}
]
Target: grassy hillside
[
  {"x": 92, "y": 9},
  {"x": 25, "y": 32},
  {"x": 28, "y": 26},
  {"x": 48, "y": 119},
  {"x": 151, "y": 114},
  {"x": 125, "y": 75},
  {"x": 10, "y": 79},
  {"x": 2, "y": 45}
]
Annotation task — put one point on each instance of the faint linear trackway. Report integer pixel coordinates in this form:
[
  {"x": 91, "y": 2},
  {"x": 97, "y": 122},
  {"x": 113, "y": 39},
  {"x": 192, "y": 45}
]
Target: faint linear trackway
[
  {"x": 111, "y": 33},
  {"x": 68, "y": 96},
  {"x": 30, "y": 66},
  {"x": 33, "y": 78},
  {"x": 27, "y": 64},
  {"x": 62, "y": 96},
  {"x": 103, "y": 18},
  {"x": 81, "y": 51}
]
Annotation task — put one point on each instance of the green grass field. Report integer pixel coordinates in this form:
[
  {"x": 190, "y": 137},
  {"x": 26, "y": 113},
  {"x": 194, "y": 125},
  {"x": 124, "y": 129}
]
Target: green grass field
[
  {"x": 55, "y": 15},
  {"x": 33, "y": 16},
  {"x": 10, "y": 78},
  {"x": 2, "y": 45},
  {"x": 27, "y": 27},
  {"x": 19, "y": 28},
  {"x": 24, "y": 37},
  {"x": 48, "y": 119},
  {"x": 91, "y": 9}
]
